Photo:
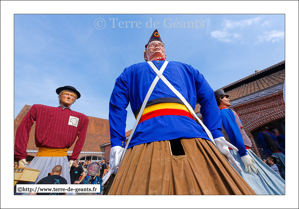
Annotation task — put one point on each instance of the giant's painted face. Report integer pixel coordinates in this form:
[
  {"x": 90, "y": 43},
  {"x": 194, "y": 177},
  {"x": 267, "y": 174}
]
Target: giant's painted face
[
  {"x": 155, "y": 50},
  {"x": 67, "y": 98},
  {"x": 225, "y": 101}
]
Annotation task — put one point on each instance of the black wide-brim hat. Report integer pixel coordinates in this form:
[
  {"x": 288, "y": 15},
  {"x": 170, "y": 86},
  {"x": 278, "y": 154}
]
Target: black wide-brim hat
[
  {"x": 70, "y": 88},
  {"x": 220, "y": 92}
]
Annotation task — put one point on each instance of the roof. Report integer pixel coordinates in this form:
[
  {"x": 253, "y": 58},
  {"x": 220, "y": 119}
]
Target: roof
[
  {"x": 98, "y": 132},
  {"x": 258, "y": 81}
]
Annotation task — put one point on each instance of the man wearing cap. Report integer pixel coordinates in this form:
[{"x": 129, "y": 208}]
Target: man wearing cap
[
  {"x": 262, "y": 180},
  {"x": 168, "y": 152},
  {"x": 57, "y": 128}
]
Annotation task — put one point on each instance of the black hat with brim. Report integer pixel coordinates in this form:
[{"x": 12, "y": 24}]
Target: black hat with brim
[
  {"x": 220, "y": 92},
  {"x": 70, "y": 88}
]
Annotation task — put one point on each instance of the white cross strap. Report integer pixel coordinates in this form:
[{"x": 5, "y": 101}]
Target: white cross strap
[{"x": 179, "y": 95}]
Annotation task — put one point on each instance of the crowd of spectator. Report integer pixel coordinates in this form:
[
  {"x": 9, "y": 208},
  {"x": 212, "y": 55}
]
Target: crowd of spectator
[{"x": 80, "y": 175}]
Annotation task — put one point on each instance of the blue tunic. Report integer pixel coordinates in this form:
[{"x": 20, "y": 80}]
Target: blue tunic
[
  {"x": 132, "y": 86},
  {"x": 233, "y": 131}
]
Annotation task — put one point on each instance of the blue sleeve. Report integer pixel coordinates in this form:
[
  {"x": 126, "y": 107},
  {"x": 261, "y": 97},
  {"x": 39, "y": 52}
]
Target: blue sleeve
[
  {"x": 209, "y": 108},
  {"x": 232, "y": 129},
  {"x": 261, "y": 140},
  {"x": 117, "y": 111}
]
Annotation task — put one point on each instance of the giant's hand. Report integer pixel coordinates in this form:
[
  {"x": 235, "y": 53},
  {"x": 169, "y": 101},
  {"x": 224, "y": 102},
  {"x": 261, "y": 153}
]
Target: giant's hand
[
  {"x": 223, "y": 146},
  {"x": 22, "y": 163},
  {"x": 115, "y": 155},
  {"x": 249, "y": 164},
  {"x": 70, "y": 164}
]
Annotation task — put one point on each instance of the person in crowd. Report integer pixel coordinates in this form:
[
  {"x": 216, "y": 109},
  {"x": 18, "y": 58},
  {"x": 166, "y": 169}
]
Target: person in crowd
[
  {"x": 270, "y": 146},
  {"x": 271, "y": 160},
  {"x": 87, "y": 176},
  {"x": 75, "y": 173},
  {"x": 57, "y": 128},
  {"x": 81, "y": 163},
  {"x": 168, "y": 151},
  {"x": 280, "y": 139},
  {"x": 262, "y": 180},
  {"x": 94, "y": 178},
  {"x": 54, "y": 177},
  {"x": 102, "y": 172}
]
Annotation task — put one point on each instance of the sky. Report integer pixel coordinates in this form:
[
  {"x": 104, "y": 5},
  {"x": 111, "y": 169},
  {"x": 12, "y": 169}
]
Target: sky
[
  {"x": 48, "y": 44},
  {"x": 89, "y": 51}
]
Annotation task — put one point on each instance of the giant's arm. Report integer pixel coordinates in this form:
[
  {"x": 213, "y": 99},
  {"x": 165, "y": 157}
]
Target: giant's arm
[
  {"x": 117, "y": 111},
  {"x": 81, "y": 139},
  {"x": 22, "y": 134},
  {"x": 231, "y": 127}
]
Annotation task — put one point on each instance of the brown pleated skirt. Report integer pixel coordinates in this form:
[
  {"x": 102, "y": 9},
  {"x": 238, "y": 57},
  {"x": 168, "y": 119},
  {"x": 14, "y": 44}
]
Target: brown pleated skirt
[{"x": 151, "y": 169}]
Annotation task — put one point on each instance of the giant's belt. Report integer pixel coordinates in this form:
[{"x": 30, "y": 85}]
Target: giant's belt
[
  {"x": 165, "y": 109},
  {"x": 51, "y": 152}
]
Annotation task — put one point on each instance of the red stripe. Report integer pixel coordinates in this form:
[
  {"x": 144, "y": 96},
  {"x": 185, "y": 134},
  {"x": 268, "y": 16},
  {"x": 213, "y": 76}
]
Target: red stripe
[
  {"x": 164, "y": 112},
  {"x": 246, "y": 147},
  {"x": 277, "y": 152}
]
